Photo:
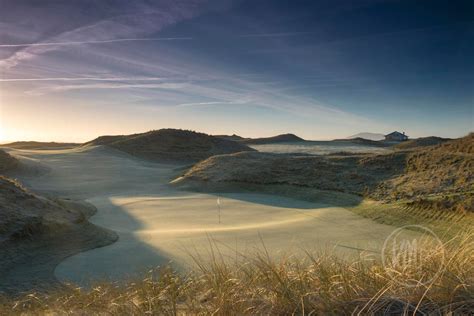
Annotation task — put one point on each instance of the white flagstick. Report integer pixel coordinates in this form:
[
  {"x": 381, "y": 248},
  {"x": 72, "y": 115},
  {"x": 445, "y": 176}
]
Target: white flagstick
[{"x": 219, "y": 208}]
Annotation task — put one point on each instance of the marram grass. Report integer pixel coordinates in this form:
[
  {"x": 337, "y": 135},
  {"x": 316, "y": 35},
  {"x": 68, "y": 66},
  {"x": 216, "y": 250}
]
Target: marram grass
[{"x": 320, "y": 284}]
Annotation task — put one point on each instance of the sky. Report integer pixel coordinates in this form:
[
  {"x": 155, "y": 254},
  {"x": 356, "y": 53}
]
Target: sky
[{"x": 322, "y": 69}]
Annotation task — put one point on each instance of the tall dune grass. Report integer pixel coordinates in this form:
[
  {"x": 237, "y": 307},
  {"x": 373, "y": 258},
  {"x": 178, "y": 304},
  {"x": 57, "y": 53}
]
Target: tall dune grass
[{"x": 319, "y": 284}]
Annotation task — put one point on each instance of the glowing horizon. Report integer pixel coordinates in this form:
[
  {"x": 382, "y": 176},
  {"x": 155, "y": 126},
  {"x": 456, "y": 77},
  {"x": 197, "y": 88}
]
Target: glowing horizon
[{"x": 318, "y": 70}]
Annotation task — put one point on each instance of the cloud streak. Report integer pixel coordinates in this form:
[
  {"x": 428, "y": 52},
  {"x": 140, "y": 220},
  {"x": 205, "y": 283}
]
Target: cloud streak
[
  {"x": 81, "y": 79},
  {"x": 98, "y": 41},
  {"x": 281, "y": 34},
  {"x": 163, "y": 85}
]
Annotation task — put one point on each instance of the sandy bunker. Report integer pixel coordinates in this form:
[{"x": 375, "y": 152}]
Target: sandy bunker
[{"x": 157, "y": 224}]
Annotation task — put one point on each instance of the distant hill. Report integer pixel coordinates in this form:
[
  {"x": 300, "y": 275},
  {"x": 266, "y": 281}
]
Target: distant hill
[
  {"x": 362, "y": 141},
  {"x": 7, "y": 162},
  {"x": 283, "y": 138},
  {"x": 421, "y": 142},
  {"x": 171, "y": 145},
  {"x": 369, "y": 136},
  {"x": 233, "y": 137},
  {"x": 40, "y": 145}
]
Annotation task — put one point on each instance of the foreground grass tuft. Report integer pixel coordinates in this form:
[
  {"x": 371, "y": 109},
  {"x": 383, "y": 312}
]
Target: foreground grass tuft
[{"x": 257, "y": 285}]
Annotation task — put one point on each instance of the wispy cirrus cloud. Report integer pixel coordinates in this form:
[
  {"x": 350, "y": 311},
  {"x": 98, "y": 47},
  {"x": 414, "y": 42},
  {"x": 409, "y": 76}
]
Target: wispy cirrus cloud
[
  {"x": 97, "y": 86},
  {"x": 80, "y": 79},
  {"x": 118, "y": 40},
  {"x": 130, "y": 27}
]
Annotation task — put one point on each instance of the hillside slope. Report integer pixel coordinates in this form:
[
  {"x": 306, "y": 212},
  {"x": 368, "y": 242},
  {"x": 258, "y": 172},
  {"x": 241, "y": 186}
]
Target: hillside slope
[
  {"x": 283, "y": 138},
  {"x": 421, "y": 142},
  {"x": 350, "y": 174},
  {"x": 7, "y": 162},
  {"x": 40, "y": 145},
  {"x": 171, "y": 145},
  {"x": 441, "y": 170},
  {"x": 363, "y": 141},
  {"x": 369, "y": 136},
  {"x": 39, "y": 232}
]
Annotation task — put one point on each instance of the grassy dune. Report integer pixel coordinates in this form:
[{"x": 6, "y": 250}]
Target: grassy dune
[
  {"x": 36, "y": 233},
  {"x": 440, "y": 176},
  {"x": 421, "y": 142},
  {"x": 257, "y": 285},
  {"x": 439, "y": 281},
  {"x": 7, "y": 162},
  {"x": 171, "y": 145},
  {"x": 40, "y": 145}
]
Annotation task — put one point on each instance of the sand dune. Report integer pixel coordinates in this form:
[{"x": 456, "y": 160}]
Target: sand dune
[
  {"x": 7, "y": 162},
  {"x": 40, "y": 145},
  {"x": 157, "y": 223},
  {"x": 36, "y": 233},
  {"x": 171, "y": 145}
]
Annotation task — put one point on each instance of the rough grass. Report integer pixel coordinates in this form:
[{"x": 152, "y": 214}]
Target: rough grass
[
  {"x": 257, "y": 285},
  {"x": 171, "y": 145},
  {"x": 439, "y": 175},
  {"x": 7, "y": 162},
  {"x": 443, "y": 170},
  {"x": 447, "y": 224},
  {"x": 40, "y": 145},
  {"x": 421, "y": 142}
]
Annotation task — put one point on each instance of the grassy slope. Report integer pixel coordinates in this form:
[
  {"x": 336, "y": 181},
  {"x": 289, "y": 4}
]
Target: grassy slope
[
  {"x": 36, "y": 233},
  {"x": 40, "y": 145},
  {"x": 421, "y": 142},
  {"x": 171, "y": 145},
  {"x": 7, "y": 162},
  {"x": 255, "y": 285},
  {"x": 322, "y": 284},
  {"x": 363, "y": 141},
  {"x": 283, "y": 138},
  {"x": 440, "y": 175}
]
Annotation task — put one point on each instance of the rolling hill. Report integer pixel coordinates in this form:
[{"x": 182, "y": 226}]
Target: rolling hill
[
  {"x": 40, "y": 145},
  {"x": 369, "y": 136},
  {"x": 283, "y": 138},
  {"x": 171, "y": 145},
  {"x": 443, "y": 172},
  {"x": 421, "y": 142},
  {"x": 363, "y": 141}
]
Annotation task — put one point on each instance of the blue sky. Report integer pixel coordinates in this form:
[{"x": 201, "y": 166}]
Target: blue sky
[{"x": 73, "y": 70}]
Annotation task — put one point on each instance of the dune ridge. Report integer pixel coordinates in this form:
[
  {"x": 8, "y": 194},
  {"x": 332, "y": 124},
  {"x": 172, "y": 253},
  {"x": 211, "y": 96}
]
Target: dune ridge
[
  {"x": 37, "y": 233},
  {"x": 443, "y": 171},
  {"x": 171, "y": 145}
]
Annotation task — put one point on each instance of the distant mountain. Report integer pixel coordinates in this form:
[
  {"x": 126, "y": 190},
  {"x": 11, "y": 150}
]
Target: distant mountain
[
  {"x": 171, "y": 145},
  {"x": 283, "y": 138},
  {"x": 369, "y": 136}
]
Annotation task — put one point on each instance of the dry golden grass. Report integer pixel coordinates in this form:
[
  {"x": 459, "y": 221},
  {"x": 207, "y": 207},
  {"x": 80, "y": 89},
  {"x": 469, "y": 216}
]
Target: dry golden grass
[
  {"x": 7, "y": 162},
  {"x": 446, "y": 224},
  {"x": 171, "y": 145},
  {"x": 257, "y": 285}
]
